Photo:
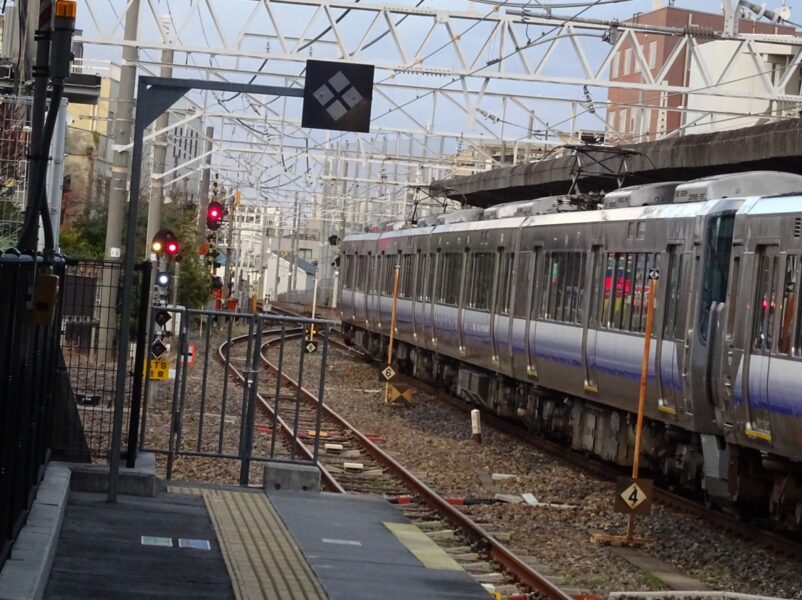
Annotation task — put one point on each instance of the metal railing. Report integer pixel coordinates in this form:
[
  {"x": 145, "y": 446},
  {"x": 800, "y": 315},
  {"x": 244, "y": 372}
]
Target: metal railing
[
  {"x": 210, "y": 401},
  {"x": 29, "y": 357},
  {"x": 89, "y": 349}
]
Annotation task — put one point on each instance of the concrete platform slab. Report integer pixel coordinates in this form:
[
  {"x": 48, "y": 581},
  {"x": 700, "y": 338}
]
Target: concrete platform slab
[
  {"x": 101, "y": 555},
  {"x": 356, "y": 556}
]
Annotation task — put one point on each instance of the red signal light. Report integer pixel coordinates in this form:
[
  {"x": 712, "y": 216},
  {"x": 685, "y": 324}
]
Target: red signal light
[
  {"x": 172, "y": 248},
  {"x": 214, "y": 215}
]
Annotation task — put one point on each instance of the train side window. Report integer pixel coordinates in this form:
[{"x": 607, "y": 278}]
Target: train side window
[
  {"x": 640, "y": 290},
  {"x": 579, "y": 288},
  {"x": 406, "y": 276},
  {"x": 504, "y": 283},
  {"x": 596, "y": 287},
  {"x": 479, "y": 284},
  {"x": 626, "y": 292},
  {"x": 604, "y": 317},
  {"x": 523, "y": 284},
  {"x": 732, "y": 295},
  {"x": 790, "y": 292},
  {"x": 765, "y": 302},
  {"x": 420, "y": 276},
  {"x": 372, "y": 276},
  {"x": 618, "y": 289},
  {"x": 430, "y": 280},
  {"x": 451, "y": 274},
  {"x": 672, "y": 293}
]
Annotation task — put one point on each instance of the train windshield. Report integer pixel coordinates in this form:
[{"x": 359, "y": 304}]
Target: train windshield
[{"x": 718, "y": 247}]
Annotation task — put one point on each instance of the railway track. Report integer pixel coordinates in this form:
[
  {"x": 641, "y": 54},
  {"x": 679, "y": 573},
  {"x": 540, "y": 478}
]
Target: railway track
[
  {"x": 776, "y": 542},
  {"x": 353, "y": 462}
]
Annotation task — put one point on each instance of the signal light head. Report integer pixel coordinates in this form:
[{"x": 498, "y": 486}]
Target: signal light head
[
  {"x": 165, "y": 241},
  {"x": 162, "y": 278},
  {"x": 214, "y": 215}
]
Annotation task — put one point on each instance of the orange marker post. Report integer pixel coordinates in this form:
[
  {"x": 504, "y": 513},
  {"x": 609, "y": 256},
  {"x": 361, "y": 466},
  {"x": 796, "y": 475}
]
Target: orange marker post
[
  {"x": 630, "y": 538},
  {"x": 392, "y": 327}
]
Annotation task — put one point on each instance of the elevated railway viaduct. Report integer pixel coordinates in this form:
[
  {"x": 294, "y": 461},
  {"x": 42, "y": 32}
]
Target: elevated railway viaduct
[{"x": 775, "y": 146}]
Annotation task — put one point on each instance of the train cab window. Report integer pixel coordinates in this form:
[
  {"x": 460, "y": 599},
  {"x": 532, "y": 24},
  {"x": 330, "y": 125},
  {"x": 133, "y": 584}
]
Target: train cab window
[
  {"x": 450, "y": 277},
  {"x": 523, "y": 284},
  {"x": 766, "y": 300},
  {"x": 479, "y": 283},
  {"x": 504, "y": 283},
  {"x": 718, "y": 248},
  {"x": 406, "y": 276},
  {"x": 789, "y": 305}
]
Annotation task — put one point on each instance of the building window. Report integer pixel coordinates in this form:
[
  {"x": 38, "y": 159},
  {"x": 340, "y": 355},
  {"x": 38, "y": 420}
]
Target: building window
[
  {"x": 614, "y": 66},
  {"x": 622, "y": 121},
  {"x": 653, "y": 54},
  {"x": 627, "y": 61}
]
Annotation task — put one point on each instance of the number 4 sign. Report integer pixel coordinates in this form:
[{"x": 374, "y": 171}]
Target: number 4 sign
[{"x": 634, "y": 496}]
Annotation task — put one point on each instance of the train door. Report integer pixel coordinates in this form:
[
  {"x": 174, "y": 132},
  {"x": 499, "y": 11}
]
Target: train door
[
  {"x": 592, "y": 306},
  {"x": 531, "y": 310},
  {"x": 669, "y": 336},
  {"x": 367, "y": 282},
  {"x": 763, "y": 315},
  {"x": 711, "y": 274},
  {"x": 416, "y": 292},
  {"x": 432, "y": 291},
  {"x": 501, "y": 311}
]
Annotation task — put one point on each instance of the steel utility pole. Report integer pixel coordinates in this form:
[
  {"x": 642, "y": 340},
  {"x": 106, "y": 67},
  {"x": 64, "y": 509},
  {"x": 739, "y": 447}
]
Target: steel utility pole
[
  {"x": 296, "y": 225},
  {"x": 156, "y": 197},
  {"x": 123, "y": 122},
  {"x": 203, "y": 203}
]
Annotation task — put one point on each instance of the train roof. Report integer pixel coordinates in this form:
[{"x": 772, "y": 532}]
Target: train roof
[
  {"x": 773, "y": 205},
  {"x": 738, "y": 185}
]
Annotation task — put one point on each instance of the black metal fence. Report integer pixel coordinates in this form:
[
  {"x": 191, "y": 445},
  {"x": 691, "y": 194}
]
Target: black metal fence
[
  {"x": 210, "y": 400},
  {"x": 90, "y": 324},
  {"x": 29, "y": 357}
]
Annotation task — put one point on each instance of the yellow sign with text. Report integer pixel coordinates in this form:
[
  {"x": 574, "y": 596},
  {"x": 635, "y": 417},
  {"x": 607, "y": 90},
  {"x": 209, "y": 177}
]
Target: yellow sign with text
[{"x": 159, "y": 370}]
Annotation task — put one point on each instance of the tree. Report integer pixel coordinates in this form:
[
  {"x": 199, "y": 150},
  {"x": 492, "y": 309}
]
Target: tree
[
  {"x": 194, "y": 280},
  {"x": 86, "y": 239}
]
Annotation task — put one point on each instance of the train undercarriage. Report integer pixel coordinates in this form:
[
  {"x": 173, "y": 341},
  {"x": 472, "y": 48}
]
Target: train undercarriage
[{"x": 741, "y": 480}]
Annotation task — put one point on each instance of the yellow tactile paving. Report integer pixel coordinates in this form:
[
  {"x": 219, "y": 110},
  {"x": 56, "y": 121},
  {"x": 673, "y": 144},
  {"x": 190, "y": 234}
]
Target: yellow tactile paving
[
  {"x": 425, "y": 550},
  {"x": 180, "y": 489},
  {"x": 262, "y": 558}
]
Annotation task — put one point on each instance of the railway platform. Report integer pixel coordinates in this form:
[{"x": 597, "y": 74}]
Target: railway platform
[{"x": 213, "y": 541}]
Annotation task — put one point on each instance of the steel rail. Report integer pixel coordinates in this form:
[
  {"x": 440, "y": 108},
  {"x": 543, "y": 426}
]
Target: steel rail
[{"x": 328, "y": 480}]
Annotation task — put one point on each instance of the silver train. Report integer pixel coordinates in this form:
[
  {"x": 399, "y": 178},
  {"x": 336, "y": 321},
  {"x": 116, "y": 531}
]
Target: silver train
[{"x": 538, "y": 312}]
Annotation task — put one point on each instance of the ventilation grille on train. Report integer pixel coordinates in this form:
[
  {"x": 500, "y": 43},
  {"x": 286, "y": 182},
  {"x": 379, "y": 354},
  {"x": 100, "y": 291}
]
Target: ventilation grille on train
[{"x": 797, "y": 226}]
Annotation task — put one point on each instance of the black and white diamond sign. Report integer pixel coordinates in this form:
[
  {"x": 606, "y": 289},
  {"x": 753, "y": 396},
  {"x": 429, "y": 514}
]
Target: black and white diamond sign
[
  {"x": 388, "y": 373},
  {"x": 337, "y": 96},
  {"x": 310, "y": 347}
]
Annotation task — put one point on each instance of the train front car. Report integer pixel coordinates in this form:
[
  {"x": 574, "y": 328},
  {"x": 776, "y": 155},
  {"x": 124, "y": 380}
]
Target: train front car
[{"x": 758, "y": 391}]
